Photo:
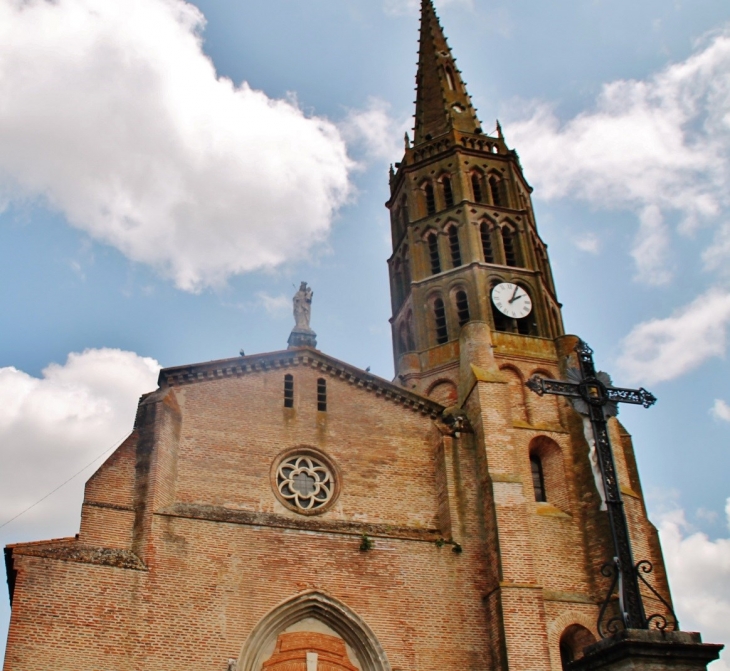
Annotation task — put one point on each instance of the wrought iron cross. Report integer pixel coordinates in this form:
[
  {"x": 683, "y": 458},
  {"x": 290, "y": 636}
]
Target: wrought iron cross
[{"x": 593, "y": 396}]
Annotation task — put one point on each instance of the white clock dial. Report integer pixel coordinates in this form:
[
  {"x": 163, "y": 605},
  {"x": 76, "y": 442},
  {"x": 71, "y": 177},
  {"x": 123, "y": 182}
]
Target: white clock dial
[{"x": 511, "y": 300}]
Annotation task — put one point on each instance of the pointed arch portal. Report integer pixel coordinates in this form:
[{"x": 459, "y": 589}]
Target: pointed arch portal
[{"x": 331, "y": 612}]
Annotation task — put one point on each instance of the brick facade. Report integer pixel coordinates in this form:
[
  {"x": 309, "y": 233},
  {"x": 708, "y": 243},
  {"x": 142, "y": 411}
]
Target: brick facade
[
  {"x": 427, "y": 550},
  {"x": 184, "y": 546}
]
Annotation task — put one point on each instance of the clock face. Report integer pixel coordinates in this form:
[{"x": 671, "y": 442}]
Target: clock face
[{"x": 511, "y": 300}]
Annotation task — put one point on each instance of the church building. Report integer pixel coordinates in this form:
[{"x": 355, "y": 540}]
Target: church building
[{"x": 287, "y": 511}]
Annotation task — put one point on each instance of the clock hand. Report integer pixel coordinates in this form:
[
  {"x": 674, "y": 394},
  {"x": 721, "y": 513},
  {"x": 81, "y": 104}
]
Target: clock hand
[
  {"x": 514, "y": 294},
  {"x": 515, "y": 298}
]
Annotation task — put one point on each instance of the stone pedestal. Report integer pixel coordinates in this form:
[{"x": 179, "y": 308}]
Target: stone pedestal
[
  {"x": 302, "y": 337},
  {"x": 648, "y": 650}
]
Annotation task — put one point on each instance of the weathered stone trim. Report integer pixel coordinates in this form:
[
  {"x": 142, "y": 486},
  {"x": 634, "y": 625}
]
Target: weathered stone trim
[
  {"x": 567, "y": 597},
  {"x": 109, "y": 506},
  {"x": 83, "y": 554},
  {"x": 220, "y": 514}
]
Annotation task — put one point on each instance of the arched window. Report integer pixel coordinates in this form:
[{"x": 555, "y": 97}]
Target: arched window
[
  {"x": 448, "y": 192},
  {"x": 288, "y": 391},
  {"x": 398, "y": 282},
  {"x": 497, "y": 192},
  {"x": 462, "y": 307},
  {"x": 402, "y": 340},
  {"x": 508, "y": 243},
  {"x": 476, "y": 187},
  {"x": 430, "y": 199},
  {"x": 487, "y": 243},
  {"x": 442, "y": 334},
  {"x": 566, "y": 655},
  {"x": 572, "y": 643},
  {"x": 433, "y": 253},
  {"x": 547, "y": 467},
  {"x": 406, "y": 270},
  {"x": 322, "y": 395},
  {"x": 404, "y": 212},
  {"x": 538, "y": 479},
  {"x": 454, "y": 247},
  {"x": 410, "y": 341}
]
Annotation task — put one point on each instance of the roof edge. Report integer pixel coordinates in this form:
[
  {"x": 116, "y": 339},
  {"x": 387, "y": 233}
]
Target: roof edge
[{"x": 301, "y": 356}]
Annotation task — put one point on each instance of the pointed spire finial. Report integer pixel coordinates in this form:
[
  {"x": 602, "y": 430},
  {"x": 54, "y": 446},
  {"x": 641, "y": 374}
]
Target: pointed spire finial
[
  {"x": 407, "y": 140},
  {"x": 499, "y": 130},
  {"x": 442, "y": 102}
]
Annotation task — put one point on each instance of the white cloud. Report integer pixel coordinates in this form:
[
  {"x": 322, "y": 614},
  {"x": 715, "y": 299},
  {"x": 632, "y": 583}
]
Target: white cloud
[
  {"x": 721, "y": 410},
  {"x": 113, "y": 115},
  {"x": 651, "y": 248},
  {"x": 52, "y": 426},
  {"x": 654, "y": 146},
  {"x": 662, "y": 349},
  {"x": 588, "y": 242},
  {"x": 374, "y": 133},
  {"x": 275, "y": 306},
  {"x": 699, "y": 576},
  {"x": 717, "y": 254}
]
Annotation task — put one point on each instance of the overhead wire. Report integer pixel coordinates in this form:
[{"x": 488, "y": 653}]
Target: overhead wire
[{"x": 63, "y": 484}]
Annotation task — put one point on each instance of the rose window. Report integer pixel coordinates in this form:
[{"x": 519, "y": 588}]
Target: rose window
[{"x": 304, "y": 482}]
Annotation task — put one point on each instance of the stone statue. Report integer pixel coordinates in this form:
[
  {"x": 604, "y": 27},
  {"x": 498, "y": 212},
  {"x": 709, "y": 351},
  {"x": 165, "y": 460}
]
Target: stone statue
[{"x": 303, "y": 307}]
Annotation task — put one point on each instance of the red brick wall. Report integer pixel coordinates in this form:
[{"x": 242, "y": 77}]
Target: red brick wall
[{"x": 184, "y": 547}]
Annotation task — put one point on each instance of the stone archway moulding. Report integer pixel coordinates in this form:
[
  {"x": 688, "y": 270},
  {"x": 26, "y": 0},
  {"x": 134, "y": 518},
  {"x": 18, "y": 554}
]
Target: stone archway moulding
[{"x": 328, "y": 610}]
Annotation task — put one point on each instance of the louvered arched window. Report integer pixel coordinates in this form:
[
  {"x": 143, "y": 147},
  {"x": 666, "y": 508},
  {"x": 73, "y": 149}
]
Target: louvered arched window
[
  {"x": 487, "y": 248},
  {"x": 398, "y": 288},
  {"x": 497, "y": 192},
  {"x": 433, "y": 253},
  {"x": 448, "y": 191},
  {"x": 462, "y": 307},
  {"x": 454, "y": 247},
  {"x": 476, "y": 187},
  {"x": 439, "y": 313},
  {"x": 430, "y": 199},
  {"x": 508, "y": 244},
  {"x": 406, "y": 270}
]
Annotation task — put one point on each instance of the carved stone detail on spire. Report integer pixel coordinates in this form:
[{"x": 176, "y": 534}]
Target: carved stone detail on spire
[{"x": 442, "y": 102}]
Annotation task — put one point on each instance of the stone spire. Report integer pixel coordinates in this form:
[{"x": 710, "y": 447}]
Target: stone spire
[{"x": 442, "y": 102}]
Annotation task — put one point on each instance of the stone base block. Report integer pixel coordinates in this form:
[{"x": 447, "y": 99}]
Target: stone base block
[
  {"x": 302, "y": 338},
  {"x": 648, "y": 650}
]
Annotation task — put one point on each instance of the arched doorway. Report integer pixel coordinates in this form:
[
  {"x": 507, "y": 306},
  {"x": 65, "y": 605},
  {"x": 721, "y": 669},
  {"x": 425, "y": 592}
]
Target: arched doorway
[
  {"x": 316, "y": 633},
  {"x": 309, "y": 651}
]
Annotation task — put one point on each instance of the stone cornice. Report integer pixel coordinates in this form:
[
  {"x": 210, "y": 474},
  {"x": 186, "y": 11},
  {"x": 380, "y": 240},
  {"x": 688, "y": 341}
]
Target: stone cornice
[
  {"x": 317, "y": 524},
  {"x": 303, "y": 356},
  {"x": 82, "y": 554}
]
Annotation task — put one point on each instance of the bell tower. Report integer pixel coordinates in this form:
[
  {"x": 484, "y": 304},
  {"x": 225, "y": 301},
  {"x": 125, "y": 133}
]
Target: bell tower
[{"x": 462, "y": 222}]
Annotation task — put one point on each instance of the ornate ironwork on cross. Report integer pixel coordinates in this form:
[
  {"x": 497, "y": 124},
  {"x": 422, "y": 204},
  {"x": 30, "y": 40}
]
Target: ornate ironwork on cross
[{"x": 594, "y": 397}]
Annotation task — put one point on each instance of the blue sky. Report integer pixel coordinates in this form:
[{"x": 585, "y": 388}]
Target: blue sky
[{"x": 157, "y": 211}]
